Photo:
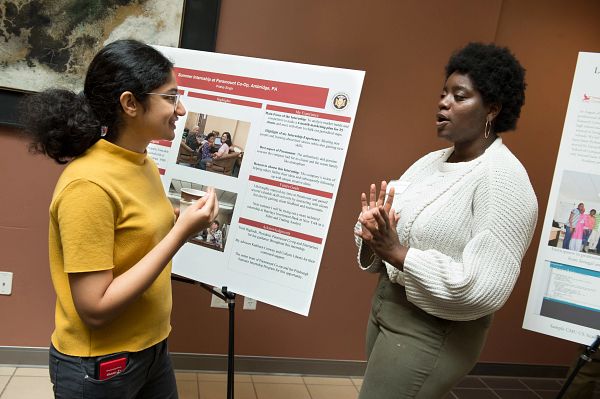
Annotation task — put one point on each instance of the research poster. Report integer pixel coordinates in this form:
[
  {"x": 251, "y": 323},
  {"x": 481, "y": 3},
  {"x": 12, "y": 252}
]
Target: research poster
[
  {"x": 271, "y": 137},
  {"x": 564, "y": 298}
]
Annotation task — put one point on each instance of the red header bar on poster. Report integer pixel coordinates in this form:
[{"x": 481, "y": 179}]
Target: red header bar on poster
[
  {"x": 281, "y": 230},
  {"x": 271, "y": 90},
  {"x": 164, "y": 143},
  {"x": 225, "y": 100},
  {"x": 310, "y": 114},
  {"x": 290, "y": 186}
]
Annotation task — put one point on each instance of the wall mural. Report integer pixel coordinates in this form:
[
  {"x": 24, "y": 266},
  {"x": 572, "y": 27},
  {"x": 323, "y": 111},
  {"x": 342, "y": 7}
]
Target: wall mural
[{"x": 49, "y": 43}]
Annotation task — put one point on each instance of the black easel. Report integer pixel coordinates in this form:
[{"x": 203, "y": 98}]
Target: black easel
[
  {"x": 584, "y": 358},
  {"x": 228, "y": 297}
]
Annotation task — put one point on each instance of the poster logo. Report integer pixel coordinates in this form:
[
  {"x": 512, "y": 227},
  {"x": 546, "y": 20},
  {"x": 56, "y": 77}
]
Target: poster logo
[{"x": 340, "y": 101}]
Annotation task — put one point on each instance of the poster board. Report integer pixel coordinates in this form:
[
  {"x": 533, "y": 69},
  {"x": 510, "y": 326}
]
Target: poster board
[
  {"x": 564, "y": 298},
  {"x": 290, "y": 126}
]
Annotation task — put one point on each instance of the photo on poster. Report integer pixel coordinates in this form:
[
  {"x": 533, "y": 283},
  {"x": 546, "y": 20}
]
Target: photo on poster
[
  {"x": 575, "y": 223},
  {"x": 213, "y": 143},
  {"x": 183, "y": 193},
  {"x": 572, "y": 295}
]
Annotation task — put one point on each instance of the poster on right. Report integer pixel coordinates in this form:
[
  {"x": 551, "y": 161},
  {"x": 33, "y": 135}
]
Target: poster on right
[{"x": 564, "y": 298}]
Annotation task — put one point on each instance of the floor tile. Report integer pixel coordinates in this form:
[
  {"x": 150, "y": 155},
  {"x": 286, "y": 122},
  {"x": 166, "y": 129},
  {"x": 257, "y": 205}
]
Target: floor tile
[
  {"x": 547, "y": 394},
  {"x": 357, "y": 381},
  {"x": 466, "y": 393},
  {"x": 223, "y": 377},
  {"x": 503, "y": 383},
  {"x": 186, "y": 376},
  {"x": 3, "y": 380},
  {"x": 332, "y": 391},
  {"x": 218, "y": 390},
  {"x": 187, "y": 389},
  {"x": 327, "y": 381},
  {"x": 242, "y": 378},
  {"x": 32, "y": 372},
  {"x": 28, "y": 387},
  {"x": 471, "y": 382},
  {"x": 7, "y": 370},
  {"x": 278, "y": 379},
  {"x": 281, "y": 391},
  {"x": 541, "y": 383},
  {"x": 211, "y": 376},
  {"x": 516, "y": 394}
]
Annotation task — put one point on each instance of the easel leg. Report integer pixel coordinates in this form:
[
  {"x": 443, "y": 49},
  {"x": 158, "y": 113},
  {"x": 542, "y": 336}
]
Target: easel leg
[
  {"x": 230, "y": 353},
  {"x": 584, "y": 358}
]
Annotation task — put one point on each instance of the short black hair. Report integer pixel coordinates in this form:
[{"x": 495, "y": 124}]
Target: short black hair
[{"x": 497, "y": 75}]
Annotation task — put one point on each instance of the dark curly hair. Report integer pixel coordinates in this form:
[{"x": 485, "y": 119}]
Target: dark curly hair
[
  {"x": 497, "y": 75},
  {"x": 64, "y": 124}
]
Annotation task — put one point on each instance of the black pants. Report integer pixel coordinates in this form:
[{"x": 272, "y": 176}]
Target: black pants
[{"x": 148, "y": 375}]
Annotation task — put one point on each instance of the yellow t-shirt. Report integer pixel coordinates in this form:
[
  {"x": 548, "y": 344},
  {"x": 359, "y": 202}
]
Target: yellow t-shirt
[{"x": 107, "y": 212}]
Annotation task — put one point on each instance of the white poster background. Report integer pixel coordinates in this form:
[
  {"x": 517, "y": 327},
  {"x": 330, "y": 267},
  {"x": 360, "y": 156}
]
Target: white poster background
[
  {"x": 564, "y": 298},
  {"x": 289, "y": 176}
]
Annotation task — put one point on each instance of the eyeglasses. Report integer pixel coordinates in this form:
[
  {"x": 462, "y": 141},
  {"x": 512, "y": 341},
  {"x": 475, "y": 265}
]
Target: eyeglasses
[{"x": 172, "y": 98}]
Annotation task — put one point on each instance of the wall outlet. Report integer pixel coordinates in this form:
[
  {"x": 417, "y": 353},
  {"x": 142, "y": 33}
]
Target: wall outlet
[
  {"x": 216, "y": 302},
  {"x": 249, "y": 303},
  {"x": 6, "y": 283}
]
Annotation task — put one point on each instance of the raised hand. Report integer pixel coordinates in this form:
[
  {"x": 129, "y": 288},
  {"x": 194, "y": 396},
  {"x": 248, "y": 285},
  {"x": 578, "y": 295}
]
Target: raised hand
[
  {"x": 378, "y": 226},
  {"x": 370, "y": 209}
]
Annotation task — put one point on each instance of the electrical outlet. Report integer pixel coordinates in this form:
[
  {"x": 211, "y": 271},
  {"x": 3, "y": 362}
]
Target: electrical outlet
[
  {"x": 6, "y": 283},
  {"x": 249, "y": 303},
  {"x": 216, "y": 302}
]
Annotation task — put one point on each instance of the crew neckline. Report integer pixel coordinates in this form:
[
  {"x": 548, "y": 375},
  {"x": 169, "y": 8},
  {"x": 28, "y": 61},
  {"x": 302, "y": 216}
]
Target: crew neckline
[{"x": 449, "y": 166}]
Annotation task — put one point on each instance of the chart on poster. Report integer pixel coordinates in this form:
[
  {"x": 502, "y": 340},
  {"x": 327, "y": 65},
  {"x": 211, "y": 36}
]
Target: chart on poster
[
  {"x": 271, "y": 137},
  {"x": 564, "y": 298}
]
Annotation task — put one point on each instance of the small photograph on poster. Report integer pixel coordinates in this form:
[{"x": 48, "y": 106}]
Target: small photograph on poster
[
  {"x": 183, "y": 193},
  {"x": 572, "y": 295},
  {"x": 575, "y": 225},
  {"x": 214, "y": 144}
]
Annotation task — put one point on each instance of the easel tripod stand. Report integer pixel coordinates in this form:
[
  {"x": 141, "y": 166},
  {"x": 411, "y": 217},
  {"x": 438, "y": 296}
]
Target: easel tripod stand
[
  {"x": 228, "y": 297},
  {"x": 584, "y": 358}
]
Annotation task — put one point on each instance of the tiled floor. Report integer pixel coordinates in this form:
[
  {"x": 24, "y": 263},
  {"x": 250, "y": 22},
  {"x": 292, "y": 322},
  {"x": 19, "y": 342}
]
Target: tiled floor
[{"x": 28, "y": 382}]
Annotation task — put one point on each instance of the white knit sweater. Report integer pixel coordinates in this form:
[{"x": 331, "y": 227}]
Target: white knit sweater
[{"x": 468, "y": 226}]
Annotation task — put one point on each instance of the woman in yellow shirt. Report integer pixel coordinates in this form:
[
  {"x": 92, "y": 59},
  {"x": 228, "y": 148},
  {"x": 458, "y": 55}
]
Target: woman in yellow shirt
[{"x": 112, "y": 229}]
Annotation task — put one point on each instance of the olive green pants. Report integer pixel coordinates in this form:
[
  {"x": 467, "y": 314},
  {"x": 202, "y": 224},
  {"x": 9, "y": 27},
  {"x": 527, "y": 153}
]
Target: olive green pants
[{"x": 412, "y": 354}]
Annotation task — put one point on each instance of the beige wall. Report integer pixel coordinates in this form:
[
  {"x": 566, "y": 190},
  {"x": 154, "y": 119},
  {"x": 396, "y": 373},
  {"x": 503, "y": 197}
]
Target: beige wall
[
  {"x": 216, "y": 123},
  {"x": 240, "y": 137},
  {"x": 192, "y": 120},
  {"x": 403, "y": 45}
]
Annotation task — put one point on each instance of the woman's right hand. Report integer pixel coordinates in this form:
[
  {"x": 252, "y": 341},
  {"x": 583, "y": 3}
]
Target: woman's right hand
[
  {"x": 198, "y": 215},
  {"x": 370, "y": 208}
]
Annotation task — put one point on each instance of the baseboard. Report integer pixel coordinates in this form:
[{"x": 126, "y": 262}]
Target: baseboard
[{"x": 29, "y": 356}]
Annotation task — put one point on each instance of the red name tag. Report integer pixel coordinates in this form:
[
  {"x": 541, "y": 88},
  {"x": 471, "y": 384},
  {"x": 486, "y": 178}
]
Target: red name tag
[{"x": 110, "y": 368}]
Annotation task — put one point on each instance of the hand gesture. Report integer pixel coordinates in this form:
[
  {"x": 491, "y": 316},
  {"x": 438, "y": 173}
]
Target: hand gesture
[
  {"x": 378, "y": 226},
  {"x": 199, "y": 215},
  {"x": 370, "y": 209}
]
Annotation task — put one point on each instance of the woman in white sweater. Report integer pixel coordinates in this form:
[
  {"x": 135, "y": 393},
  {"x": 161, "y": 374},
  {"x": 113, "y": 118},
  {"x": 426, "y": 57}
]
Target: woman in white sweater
[{"x": 449, "y": 239}]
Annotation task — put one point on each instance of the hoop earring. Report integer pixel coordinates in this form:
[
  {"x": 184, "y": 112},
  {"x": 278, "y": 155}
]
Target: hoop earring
[{"x": 488, "y": 129}]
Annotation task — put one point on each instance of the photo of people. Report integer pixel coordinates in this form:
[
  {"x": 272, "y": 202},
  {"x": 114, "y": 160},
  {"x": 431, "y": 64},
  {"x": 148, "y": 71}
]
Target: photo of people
[
  {"x": 575, "y": 226},
  {"x": 213, "y": 143},
  {"x": 182, "y": 194}
]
